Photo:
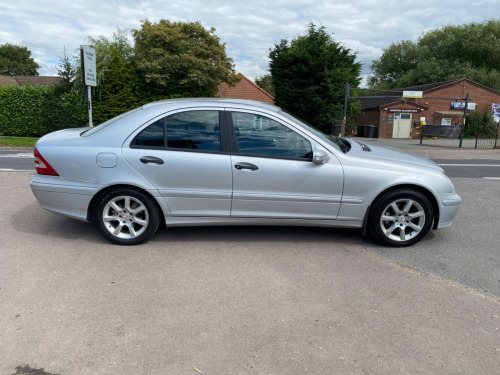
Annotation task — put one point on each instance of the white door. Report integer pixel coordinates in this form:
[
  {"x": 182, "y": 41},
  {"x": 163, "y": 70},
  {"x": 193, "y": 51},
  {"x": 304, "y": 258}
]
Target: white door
[{"x": 402, "y": 125}]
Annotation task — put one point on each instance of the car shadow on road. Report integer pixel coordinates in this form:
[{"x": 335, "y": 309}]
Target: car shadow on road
[
  {"x": 31, "y": 219},
  {"x": 243, "y": 234}
]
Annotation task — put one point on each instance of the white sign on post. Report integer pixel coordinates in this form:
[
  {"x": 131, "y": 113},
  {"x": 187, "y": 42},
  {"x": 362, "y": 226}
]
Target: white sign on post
[
  {"x": 412, "y": 94},
  {"x": 89, "y": 74},
  {"x": 89, "y": 66}
]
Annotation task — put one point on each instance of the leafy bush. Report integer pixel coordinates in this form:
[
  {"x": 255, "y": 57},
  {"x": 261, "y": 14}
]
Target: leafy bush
[
  {"x": 33, "y": 111},
  {"x": 481, "y": 123},
  {"x": 21, "y": 110}
]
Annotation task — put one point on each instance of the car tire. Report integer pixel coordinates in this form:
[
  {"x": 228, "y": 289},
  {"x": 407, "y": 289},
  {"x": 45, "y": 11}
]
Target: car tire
[
  {"x": 127, "y": 216},
  {"x": 401, "y": 218}
]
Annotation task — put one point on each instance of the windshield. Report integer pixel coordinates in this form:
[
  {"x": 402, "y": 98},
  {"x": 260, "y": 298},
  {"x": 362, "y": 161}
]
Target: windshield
[
  {"x": 90, "y": 131},
  {"x": 339, "y": 143}
]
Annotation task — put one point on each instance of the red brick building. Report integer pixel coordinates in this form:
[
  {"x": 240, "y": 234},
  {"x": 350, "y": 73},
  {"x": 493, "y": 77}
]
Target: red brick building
[
  {"x": 244, "y": 89},
  {"x": 442, "y": 103}
]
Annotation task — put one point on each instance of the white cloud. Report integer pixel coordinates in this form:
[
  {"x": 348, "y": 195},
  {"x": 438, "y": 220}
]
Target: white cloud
[{"x": 249, "y": 28}]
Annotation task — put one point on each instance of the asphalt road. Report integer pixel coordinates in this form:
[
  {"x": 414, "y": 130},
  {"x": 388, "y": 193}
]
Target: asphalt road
[
  {"x": 470, "y": 168},
  {"x": 16, "y": 160},
  {"x": 246, "y": 300},
  {"x": 470, "y": 256},
  {"x": 468, "y": 252}
]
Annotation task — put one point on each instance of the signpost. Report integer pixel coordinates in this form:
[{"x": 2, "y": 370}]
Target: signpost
[{"x": 89, "y": 74}]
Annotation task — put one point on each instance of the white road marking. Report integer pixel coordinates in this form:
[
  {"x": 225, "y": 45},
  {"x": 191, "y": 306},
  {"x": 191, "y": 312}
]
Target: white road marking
[
  {"x": 25, "y": 155},
  {"x": 5, "y": 170},
  {"x": 469, "y": 165}
]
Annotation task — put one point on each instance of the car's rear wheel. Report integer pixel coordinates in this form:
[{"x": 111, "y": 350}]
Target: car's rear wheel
[
  {"x": 127, "y": 216},
  {"x": 401, "y": 217}
]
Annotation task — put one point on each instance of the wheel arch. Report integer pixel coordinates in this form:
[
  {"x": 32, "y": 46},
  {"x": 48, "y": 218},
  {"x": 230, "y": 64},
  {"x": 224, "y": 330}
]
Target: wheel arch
[
  {"x": 427, "y": 193},
  {"x": 100, "y": 193}
]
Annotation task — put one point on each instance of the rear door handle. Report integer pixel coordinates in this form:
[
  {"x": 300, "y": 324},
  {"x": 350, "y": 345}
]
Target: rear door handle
[
  {"x": 151, "y": 160},
  {"x": 240, "y": 166}
]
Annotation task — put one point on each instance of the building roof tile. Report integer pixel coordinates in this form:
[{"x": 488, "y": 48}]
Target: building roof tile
[
  {"x": 29, "y": 80},
  {"x": 244, "y": 89},
  {"x": 386, "y": 97},
  {"x": 8, "y": 81},
  {"x": 37, "y": 80}
]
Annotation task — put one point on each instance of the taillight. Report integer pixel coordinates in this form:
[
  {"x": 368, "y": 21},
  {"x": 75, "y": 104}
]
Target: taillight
[{"x": 42, "y": 166}]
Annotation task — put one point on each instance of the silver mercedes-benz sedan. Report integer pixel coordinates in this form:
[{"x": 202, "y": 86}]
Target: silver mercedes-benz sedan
[{"x": 235, "y": 162}]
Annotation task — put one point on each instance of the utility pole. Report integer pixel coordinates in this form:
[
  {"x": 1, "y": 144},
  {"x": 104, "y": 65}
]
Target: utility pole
[
  {"x": 465, "y": 116},
  {"x": 344, "y": 120}
]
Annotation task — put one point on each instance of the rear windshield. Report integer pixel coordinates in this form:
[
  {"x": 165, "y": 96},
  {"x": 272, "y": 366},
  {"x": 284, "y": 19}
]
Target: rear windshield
[{"x": 98, "y": 128}]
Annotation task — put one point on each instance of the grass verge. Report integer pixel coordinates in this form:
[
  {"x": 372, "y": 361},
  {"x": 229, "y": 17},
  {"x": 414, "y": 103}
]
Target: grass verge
[{"x": 17, "y": 142}]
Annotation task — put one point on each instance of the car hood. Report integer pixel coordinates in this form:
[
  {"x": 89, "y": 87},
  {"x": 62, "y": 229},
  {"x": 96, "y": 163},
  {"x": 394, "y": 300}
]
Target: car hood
[{"x": 390, "y": 154}]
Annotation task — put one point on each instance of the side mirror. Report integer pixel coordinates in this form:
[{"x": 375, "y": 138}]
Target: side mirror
[{"x": 320, "y": 156}]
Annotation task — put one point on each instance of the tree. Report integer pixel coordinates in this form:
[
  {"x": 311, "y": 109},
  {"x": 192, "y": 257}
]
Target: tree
[
  {"x": 121, "y": 89},
  {"x": 471, "y": 51},
  {"x": 16, "y": 60},
  {"x": 182, "y": 59},
  {"x": 66, "y": 69},
  {"x": 397, "y": 59},
  {"x": 66, "y": 107},
  {"x": 107, "y": 49},
  {"x": 309, "y": 75},
  {"x": 266, "y": 83},
  {"x": 120, "y": 86}
]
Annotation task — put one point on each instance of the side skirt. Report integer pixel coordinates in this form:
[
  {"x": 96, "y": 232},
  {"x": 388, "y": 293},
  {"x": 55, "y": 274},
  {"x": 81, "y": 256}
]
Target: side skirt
[{"x": 185, "y": 221}]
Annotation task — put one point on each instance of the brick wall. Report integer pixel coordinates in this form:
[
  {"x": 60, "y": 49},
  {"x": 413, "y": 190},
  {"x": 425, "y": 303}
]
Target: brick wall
[
  {"x": 387, "y": 122},
  {"x": 478, "y": 94},
  {"x": 368, "y": 118},
  {"x": 427, "y": 108}
]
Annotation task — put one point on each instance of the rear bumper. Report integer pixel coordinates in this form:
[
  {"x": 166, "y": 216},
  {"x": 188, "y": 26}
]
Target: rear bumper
[{"x": 68, "y": 198}]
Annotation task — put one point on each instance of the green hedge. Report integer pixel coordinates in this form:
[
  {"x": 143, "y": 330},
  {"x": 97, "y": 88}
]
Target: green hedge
[
  {"x": 480, "y": 123},
  {"x": 33, "y": 111}
]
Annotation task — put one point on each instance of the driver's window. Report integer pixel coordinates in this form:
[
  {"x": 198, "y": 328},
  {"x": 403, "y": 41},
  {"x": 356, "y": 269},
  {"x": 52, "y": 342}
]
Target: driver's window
[{"x": 261, "y": 136}]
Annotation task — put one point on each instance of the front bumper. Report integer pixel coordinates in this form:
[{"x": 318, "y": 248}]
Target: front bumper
[{"x": 448, "y": 208}]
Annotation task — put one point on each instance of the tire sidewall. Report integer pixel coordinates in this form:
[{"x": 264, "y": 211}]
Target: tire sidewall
[
  {"x": 388, "y": 198},
  {"x": 146, "y": 200}
]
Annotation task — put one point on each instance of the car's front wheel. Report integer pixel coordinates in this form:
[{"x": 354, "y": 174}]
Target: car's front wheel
[
  {"x": 127, "y": 216},
  {"x": 401, "y": 217}
]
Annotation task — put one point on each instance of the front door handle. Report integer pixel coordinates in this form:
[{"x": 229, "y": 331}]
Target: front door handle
[
  {"x": 151, "y": 160},
  {"x": 240, "y": 166}
]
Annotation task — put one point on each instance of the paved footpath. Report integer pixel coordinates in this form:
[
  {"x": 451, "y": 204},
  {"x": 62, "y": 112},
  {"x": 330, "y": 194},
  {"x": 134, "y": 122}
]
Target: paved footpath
[{"x": 438, "y": 148}]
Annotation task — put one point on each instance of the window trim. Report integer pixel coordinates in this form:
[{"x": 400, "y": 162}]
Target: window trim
[{"x": 224, "y": 138}]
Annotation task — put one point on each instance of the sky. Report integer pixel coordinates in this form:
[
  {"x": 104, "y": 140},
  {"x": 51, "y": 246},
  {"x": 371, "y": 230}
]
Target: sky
[{"x": 248, "y": 28}]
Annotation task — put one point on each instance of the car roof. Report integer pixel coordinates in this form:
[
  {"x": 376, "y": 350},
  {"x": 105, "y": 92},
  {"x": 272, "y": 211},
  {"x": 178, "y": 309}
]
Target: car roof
[{"x": 212, "y": 101}]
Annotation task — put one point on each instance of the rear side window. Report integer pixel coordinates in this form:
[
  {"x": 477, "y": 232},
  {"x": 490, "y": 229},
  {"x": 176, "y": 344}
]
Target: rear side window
[
  {"x": 152, "y": 136},
  {"x": 191, "y": 130}
]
